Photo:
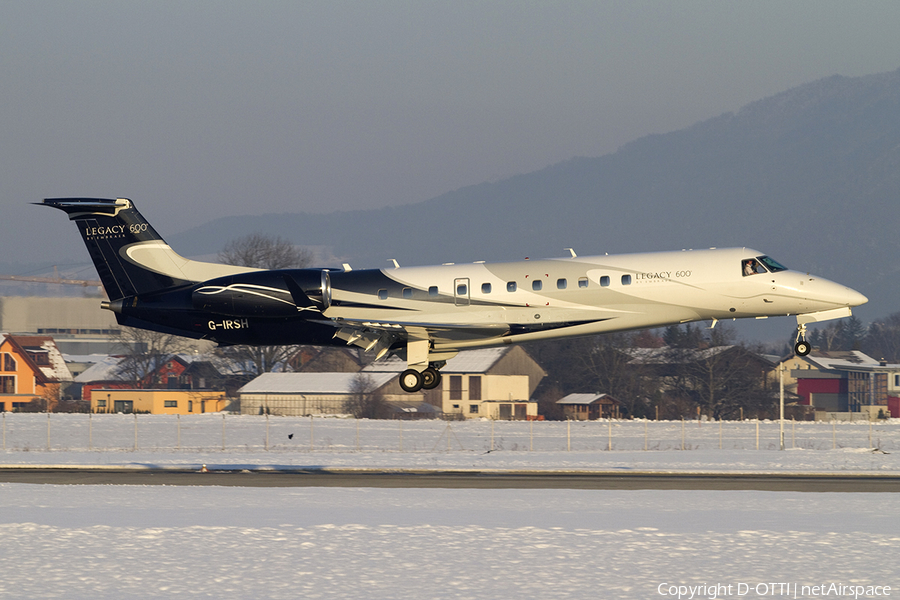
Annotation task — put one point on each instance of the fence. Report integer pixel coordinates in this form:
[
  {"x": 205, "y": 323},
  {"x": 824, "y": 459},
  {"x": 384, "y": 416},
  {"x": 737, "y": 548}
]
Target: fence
[{"x": 222, "y": 432}]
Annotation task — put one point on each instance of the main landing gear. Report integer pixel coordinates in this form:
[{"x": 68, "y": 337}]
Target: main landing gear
[
  {"x": 413, "y": 381},
  {"x": 802, "y": 347}
]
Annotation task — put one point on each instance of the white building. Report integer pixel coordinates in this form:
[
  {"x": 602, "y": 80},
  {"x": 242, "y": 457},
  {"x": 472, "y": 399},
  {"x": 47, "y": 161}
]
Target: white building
[
  {"x": 302, "y": 394},
  {"x": 492, "y": 383}
]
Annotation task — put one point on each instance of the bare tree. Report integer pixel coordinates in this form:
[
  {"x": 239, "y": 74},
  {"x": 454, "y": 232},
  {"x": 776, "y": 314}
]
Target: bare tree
[
  {"x": 605, "y": 366},
  {"x": 143, "y": 352},
  {"x": 254, "y": 359},
  {"x": 51, "y": 396},
  {"x": 265, "y": 252},
  {"x": 365, "y": 401},
  {"x": 724, "y": 379},
  {"x": 262, "y": 252},
  {"x": 592, "y": 364}
]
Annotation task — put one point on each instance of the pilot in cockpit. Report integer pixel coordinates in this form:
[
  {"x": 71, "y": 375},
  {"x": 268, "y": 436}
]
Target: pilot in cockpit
[{"x": 749, "y": 267}]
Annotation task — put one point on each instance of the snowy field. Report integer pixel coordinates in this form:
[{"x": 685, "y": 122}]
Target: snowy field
[
  {"x": 166, "y": 542},
  {"x": 219, "y": 542},
  {"x": 288, "y": 441}
]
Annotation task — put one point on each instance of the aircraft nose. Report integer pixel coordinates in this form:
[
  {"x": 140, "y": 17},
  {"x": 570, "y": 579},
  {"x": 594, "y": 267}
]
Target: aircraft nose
[
  {"x": 833, "y": 293},
  {"x": 854, "y": 298}
]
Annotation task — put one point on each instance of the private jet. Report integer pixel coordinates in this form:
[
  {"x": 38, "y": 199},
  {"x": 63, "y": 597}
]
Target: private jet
[{"x": 427, "y": 314}]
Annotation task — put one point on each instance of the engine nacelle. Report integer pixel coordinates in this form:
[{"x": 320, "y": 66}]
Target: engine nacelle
[{"x": 282, "y": 293}]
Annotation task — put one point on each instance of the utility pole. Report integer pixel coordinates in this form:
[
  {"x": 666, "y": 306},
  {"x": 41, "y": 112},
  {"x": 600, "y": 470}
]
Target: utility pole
[{"x": 781, "y": 403}]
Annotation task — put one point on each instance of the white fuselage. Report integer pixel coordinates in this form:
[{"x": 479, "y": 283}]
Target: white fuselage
[{"x": 543, "y": 299}]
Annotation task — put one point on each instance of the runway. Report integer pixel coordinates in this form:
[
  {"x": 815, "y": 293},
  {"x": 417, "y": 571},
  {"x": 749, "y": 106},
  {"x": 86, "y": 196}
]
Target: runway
[{"x": 357, "y": 478}]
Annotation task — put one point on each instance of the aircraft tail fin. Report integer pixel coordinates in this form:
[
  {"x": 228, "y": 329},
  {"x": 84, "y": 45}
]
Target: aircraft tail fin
[{"x": 130, "y": 257}]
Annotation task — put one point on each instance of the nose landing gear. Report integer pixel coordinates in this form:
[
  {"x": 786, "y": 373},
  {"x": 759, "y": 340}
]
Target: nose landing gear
[{"x": 802, "y": 347}]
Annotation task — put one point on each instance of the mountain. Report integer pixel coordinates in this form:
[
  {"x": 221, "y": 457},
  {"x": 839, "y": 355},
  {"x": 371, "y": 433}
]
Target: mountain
[{"x": 810, "y": 176}]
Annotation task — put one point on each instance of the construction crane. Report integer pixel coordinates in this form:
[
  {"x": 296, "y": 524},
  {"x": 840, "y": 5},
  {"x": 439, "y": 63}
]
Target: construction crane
[
  {"x": 81, "y": 282},
  {"x": 55, "y": 279}
]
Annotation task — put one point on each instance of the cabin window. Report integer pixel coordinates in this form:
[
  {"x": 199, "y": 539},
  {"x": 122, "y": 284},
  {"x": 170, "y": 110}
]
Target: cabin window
[
  {"x": 171, "y": 403},
  {"x": 407, "y": 293},
  {"x": 510, "y": 286},
  {"x": 582, "y": 282},
  {"x": 474, "y": 387},
  {"x": 626, "y": 279},
  {"x": 382, "y": 294},
  {"x": 462, "y": 289},
  {"x": 9, "y": 363},
  {"x": 561, "y": 284},
  {"x": 604, "y": 281},
  {"x": 485, "y": 288},
  {"x": 433, "y": 291},
  {"x": 537, "y": 284}
]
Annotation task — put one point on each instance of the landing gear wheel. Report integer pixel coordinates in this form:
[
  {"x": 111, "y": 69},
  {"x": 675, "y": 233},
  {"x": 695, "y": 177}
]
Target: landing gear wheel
[
  {"x": 411, "y": 380},
  {"x": 431, "y": 378},
  {"x": 802, "y": 347}
]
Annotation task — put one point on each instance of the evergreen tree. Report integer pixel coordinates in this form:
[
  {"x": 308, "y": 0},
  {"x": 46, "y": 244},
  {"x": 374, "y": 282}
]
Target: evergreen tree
[
  {"x": 882, "y": 339},
  {"x": 851, "y": 334}
]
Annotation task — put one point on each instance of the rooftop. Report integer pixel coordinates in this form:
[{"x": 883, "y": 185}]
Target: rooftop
[
  {"x": 310, "y": 383},
  {"x": 583, "y": 398}
]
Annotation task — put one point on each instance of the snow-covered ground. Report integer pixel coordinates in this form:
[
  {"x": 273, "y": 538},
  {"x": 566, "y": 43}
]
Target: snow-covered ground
[
  {"x": 160, "y": 542},
  {"x": 286, "y": 442},
  {"x": 217, "y": 542}
]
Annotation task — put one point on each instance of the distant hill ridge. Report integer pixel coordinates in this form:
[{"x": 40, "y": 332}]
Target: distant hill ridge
[{"x": 810, "y": 176}]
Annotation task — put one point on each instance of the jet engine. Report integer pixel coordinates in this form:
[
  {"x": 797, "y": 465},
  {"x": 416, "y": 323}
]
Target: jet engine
[{"x": 265, "y": 293}]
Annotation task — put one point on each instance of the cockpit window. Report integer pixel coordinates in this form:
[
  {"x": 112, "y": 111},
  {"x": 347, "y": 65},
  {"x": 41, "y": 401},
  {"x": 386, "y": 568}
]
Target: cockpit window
[
  {"x": 751, "y": 266},
  {"x": 771, "y": 264}
]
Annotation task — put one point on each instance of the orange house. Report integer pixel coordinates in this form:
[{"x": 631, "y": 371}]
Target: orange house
[{"x": 28, "y": 371}]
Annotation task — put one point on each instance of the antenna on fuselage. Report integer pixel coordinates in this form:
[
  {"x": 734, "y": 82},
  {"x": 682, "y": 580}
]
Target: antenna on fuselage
[
  {"x": 394, "y": 260},
  {"x": 572, "y": 252}
]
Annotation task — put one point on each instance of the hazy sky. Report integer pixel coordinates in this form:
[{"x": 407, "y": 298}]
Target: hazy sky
[{"x": 203, "y": 109}]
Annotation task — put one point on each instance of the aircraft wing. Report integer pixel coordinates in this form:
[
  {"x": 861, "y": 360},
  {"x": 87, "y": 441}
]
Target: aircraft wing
[{"x": 381, "y": 336}]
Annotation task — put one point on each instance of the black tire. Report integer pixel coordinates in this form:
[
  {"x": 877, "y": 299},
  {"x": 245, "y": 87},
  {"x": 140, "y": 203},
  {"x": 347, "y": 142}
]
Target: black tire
[
  {"x": 802, "y": 348},
  {"x": 411, "y": 380},
  {"x": 431, "y": 378}
]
